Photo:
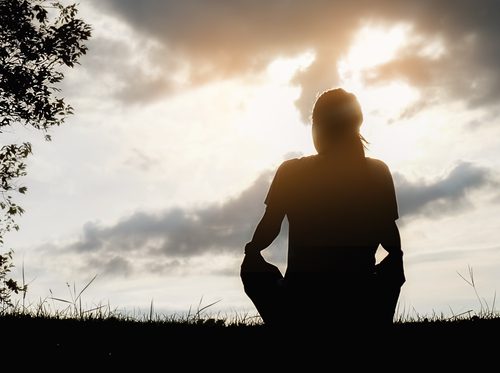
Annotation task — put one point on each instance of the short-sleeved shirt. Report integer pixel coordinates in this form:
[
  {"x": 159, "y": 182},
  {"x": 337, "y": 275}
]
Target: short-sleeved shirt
[{"x": 336, "y": 212}]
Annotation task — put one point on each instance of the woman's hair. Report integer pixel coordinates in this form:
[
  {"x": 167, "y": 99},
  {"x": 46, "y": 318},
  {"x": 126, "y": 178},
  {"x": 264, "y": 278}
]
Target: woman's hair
[{"x": 336, "y": 119}]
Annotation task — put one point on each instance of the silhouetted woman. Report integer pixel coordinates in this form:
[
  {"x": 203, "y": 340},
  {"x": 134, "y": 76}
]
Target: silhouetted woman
[{"x": 340, "y": 206}]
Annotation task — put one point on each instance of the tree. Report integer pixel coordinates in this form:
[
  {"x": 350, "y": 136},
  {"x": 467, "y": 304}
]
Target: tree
[{"x": 38, "y": 38}]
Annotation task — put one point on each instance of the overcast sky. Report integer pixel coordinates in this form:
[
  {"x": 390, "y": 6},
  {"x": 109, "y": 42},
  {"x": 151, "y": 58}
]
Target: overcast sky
[{"x": 184, "y": 110}]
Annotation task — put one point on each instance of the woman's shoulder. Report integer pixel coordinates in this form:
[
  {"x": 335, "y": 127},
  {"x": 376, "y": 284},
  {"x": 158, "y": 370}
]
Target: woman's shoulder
[
  {"x": 379, "y": 171},
  {"x": 297, "y": 162},
  {"x": 298, "y": 167},
  {"x": 312, "y": 161},
  {"x": 377, "y": 164}
]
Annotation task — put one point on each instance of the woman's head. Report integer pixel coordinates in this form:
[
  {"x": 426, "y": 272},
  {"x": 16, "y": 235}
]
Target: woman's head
[{"x": 336, "y": 119}]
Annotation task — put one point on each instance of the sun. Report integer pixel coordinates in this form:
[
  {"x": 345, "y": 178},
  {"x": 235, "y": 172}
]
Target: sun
[
  {"x": 371, "y": 47},
  {"x": 383, "y": 103}
]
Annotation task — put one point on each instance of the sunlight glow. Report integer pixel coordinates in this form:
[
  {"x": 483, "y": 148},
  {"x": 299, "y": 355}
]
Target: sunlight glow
[
  {"x": 384, "y": 103},
  {"x": 272, "y": 101},
  {"x": 283, "y": 69},
  {"x": 373, "y": 46}
]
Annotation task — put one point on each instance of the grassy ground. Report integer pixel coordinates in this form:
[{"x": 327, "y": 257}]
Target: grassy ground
[
  {"x": 205, "y": 343},
  {"x": 40, "y": 337}
]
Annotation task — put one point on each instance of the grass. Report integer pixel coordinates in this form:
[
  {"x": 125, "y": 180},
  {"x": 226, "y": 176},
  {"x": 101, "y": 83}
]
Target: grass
[
  {"x": 62, "y": 328},
  {"x": 74, "y": 309},
  {"x": 200, "y": 340}
]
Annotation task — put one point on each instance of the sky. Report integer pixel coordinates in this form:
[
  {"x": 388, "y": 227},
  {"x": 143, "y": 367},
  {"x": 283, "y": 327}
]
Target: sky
[{"x": 184, "y": 110}]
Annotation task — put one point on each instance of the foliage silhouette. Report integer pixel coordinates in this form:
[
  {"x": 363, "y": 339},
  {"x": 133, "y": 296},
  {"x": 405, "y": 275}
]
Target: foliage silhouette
[
  {"x": 8, "y": 285},
  {"x": 37, "y": 39}
]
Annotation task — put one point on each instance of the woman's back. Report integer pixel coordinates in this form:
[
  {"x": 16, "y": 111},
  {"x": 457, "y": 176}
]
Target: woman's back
[{"x": 334, "y": 210}]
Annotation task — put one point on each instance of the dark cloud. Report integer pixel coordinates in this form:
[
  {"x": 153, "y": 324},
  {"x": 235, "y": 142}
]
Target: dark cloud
[
  {"x": 167, "y": 241},
  {"x": 116, "y": 265},
  {"x": 219, "y": 39},
  {"x": 443, "y": 196},
  {"x": 136, "y": 83},
  {"x": 181, "y": 232}
]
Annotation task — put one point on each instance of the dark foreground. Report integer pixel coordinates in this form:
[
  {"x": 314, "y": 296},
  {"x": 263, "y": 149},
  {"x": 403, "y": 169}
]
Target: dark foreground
[{"x": 124, "y": 344}]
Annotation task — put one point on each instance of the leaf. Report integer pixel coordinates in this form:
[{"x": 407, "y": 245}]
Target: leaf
[{"x": 37, "y": 37}]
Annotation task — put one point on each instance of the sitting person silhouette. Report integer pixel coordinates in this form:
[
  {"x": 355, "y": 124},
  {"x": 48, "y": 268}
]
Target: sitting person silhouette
[{"x": 340, "y": 207}]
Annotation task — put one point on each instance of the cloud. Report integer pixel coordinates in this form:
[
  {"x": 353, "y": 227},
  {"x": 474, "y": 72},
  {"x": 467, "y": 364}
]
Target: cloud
[
  {"x": 442, "y": 196},
  {"x": 169, "y": 240},
  {"x": 166, "y": 241},
  {"x": 111, "y": 267},
  {"x": 220, "y": 39},
  {"x": 127, "y": 70},
  {"x": 140, "y": 88},
  {"x": 182, "y": 232}
]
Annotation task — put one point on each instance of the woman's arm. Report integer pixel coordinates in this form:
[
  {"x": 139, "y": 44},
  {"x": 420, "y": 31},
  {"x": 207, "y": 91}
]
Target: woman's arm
[
  {"x": 267, "y": 230},
  {"x": 391, "y": 240},
  {"x": 392, "y": 265}
]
